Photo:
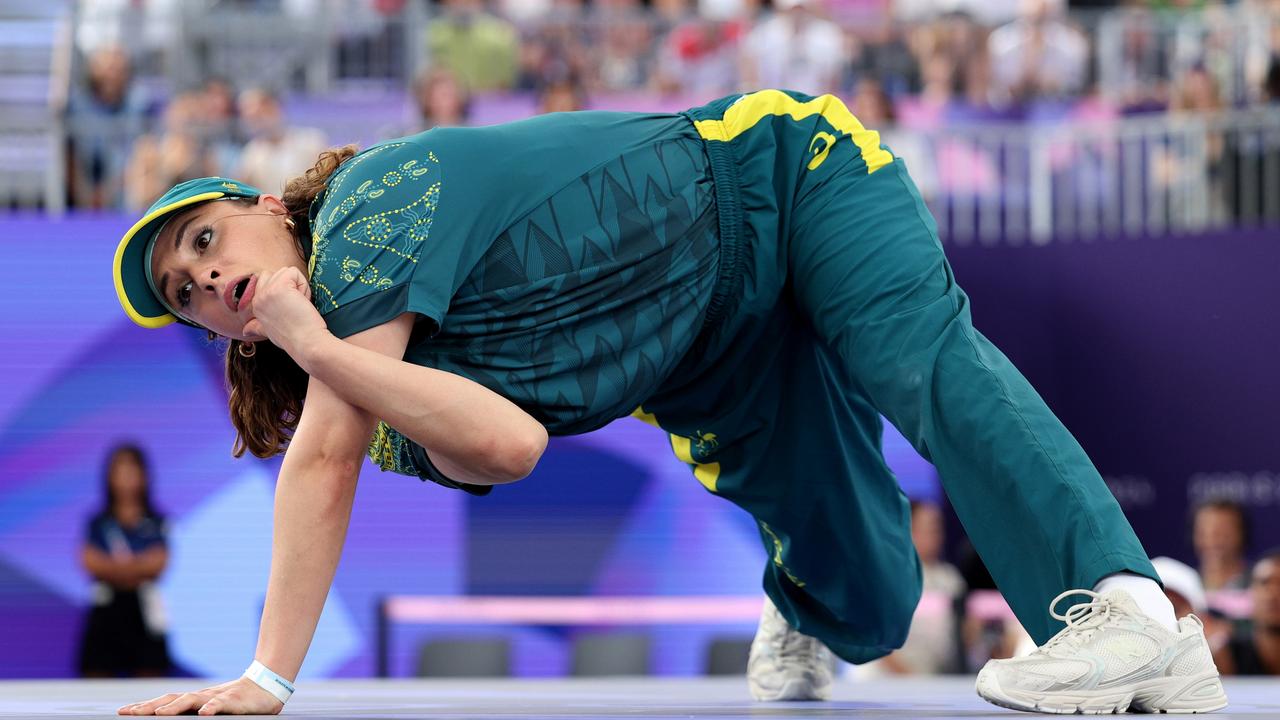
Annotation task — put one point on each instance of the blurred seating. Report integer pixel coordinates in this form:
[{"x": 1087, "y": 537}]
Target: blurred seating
[
  {"x": 465, "y": 657},
  {"x": 611, "y": 654},
  {"x": 30, "y": 149},
  {"x": 728, "y": 656}
]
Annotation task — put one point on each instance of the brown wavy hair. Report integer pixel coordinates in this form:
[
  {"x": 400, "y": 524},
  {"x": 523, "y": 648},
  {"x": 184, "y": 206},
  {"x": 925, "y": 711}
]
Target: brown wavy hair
[{"x": 268, "y": 388}]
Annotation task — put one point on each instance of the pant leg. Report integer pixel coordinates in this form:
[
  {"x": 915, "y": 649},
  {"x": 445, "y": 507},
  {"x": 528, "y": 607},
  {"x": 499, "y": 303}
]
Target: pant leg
[
  {"x": 835, "y": 525},
  {"x": 868, "y": 270}
]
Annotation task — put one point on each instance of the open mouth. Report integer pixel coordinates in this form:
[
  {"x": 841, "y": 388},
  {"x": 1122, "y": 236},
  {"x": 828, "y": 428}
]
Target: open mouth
[{"x": 238, "y": 292}]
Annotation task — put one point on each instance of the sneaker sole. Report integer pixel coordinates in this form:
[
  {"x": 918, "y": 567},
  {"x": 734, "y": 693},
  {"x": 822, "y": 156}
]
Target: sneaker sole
[
  {"x": 794, "y": 690},
  {"x": 1176, "y": 695}
]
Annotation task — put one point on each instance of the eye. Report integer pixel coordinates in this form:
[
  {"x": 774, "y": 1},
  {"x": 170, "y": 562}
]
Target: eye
[
  {"x": 184, "y": 295},
  {"x": 202, "y": 240}
]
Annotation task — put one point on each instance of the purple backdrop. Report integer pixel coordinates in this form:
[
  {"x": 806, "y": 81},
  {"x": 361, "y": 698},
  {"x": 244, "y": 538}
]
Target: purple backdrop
[{"x": 1160, "y": 354}]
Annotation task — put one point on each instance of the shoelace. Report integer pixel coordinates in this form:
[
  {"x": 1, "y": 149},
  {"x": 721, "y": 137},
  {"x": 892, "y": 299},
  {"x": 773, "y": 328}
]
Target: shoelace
[{"x": 1080, "y": 617}]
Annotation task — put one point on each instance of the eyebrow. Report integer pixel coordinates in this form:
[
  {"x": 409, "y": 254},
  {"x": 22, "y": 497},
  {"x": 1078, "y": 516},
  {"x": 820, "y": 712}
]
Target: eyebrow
[
  {"x": 177, "y": 237},
  {"x": 177, "y": 245}
]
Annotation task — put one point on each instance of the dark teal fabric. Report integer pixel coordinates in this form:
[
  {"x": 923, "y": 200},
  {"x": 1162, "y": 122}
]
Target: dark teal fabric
[
  {"x": 848, "y": 310},
  {"x": 564, "y": 262}
]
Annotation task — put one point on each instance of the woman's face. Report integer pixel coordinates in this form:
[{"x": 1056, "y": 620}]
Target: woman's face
[
  {"x": 126, "y": 477},
  {"x": 207, "y": 261},
  {"x": 927, "y": 532},
  {"x": 1217, "y": 533}
]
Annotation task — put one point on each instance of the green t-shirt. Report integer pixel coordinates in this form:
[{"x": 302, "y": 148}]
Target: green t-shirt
[{"x": 564, "y": 262}]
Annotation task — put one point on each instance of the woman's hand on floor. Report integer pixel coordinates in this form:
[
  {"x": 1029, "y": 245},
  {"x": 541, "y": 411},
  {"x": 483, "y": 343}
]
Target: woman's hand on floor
[{"x": 238, "y": 697}]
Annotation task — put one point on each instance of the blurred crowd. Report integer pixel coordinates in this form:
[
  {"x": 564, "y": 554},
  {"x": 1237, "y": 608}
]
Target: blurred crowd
[
  {"x": 914, "y": 65},
  {"x": 960, "y": 624}
]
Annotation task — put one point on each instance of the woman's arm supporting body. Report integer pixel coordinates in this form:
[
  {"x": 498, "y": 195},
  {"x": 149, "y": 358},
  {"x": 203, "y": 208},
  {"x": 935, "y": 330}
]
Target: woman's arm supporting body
[
  {"x": 472, "y": 432},
  {"x": 313, "y": 500}
]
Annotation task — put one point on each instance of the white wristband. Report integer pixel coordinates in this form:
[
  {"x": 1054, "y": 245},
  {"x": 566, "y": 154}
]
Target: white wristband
[{"x": 263, "y": 677}]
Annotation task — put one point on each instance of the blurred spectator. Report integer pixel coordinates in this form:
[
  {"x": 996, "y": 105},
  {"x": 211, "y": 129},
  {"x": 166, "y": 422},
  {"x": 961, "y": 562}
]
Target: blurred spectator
[
  {"x": 954, "y": 70},
  {"x": 563, "y": 95},
  {"x": 932, "y": 643},
  {"x": 625, "y": 54},
  {"x": 276, "y": 151},
  {"x": 125, "y": 551},
  {"x": 1220, "y": 534},
  {"x": 481, "y": 48},
  {"x": 178, "y": 153},
  {"x": 219, "y": 124},
  {"x": 795, "y": 47},
  {"x": 720, "y": 10},
  {"x": 1183, "y": 587},
  {"x": 140, "y": 26},
  {"x": 1135, "y": 60},
  {"x": 1271, "y": 83},
  {"x": 1196, "y": 91},
  {"x": 1256, "y": 650},
  {"x": 523, "y": 11},
  {"x": 880, "y": 51},
  {"x": 700, "y": 57},
  {"x": 441, "y": 100},
  {"x": 872, "y": 106},
  {"x": 103, "y": 117},
  {"x": 1039, "y": 55}
]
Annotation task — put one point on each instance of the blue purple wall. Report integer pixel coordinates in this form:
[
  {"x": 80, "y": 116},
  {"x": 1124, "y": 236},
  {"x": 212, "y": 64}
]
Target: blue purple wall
[{"x": 1158, "y": 353}]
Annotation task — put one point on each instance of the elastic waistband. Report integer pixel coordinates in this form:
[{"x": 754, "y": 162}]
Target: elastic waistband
[{"x": 724, "y": 173}]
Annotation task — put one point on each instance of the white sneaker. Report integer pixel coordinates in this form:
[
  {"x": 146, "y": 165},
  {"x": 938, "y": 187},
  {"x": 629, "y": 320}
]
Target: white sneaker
[
  {"x": 785, "y": 664},
  {"x": 1110, "y": 658}
]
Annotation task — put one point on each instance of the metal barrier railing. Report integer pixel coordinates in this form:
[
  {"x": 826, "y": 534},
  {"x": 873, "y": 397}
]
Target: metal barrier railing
[
  {"x": 1164, "y": 174},
  {"x": 1177, "y": 173}
]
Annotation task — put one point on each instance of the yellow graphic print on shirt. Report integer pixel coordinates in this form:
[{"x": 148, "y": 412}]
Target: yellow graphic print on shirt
[{"x": 375, "y": 216}]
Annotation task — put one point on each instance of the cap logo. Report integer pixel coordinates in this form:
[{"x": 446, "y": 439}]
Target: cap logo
[{"x": 231, "y": 186}]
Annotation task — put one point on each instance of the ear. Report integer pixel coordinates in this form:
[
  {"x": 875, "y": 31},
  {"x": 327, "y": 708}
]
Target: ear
[{"x": 272, "y": 204}]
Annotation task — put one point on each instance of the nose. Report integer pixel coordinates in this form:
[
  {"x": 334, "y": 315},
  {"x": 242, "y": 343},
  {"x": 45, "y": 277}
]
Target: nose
[{"x": 207, "y": 277}]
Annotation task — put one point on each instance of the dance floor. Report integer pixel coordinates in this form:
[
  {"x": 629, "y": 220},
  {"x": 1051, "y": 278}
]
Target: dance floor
[{"x": 633, "y": 699}]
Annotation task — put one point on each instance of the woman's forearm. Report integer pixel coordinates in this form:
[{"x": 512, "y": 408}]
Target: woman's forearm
[
  {"x": 475, "y": 430},
  {"x": 312, "y": 509}
]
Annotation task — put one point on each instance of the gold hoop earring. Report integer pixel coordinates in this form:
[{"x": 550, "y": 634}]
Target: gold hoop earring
[
  {"x": 288, "y": 221},
  {"x": 253, "y": 349}
]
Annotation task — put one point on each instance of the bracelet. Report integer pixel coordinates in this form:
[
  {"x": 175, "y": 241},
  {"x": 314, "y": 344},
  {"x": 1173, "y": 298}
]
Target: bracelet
[{"x": 262, "y": 676}]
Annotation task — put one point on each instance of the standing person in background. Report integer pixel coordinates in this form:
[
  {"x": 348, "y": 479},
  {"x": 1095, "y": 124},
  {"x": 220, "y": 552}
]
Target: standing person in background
[
  {"x": 125, "y": 551},
  {"x": 1257, "y": 651},
  {"x": 794, "y": 47},
  {"x": 1183, "y": 588},
  {"x": 1220, "y": 533},
  {"x": 103, "y": 118},
  {"x": 563, "y": 94},
  {"x": 176, "y": 153},
  {"x": 483, "y": 49},
  {"x": 276, "y": 151},
  {"x": 1038, "y": 56},
  {"x": 931, "y": 645},
  {"x": 442, "y": 100}
]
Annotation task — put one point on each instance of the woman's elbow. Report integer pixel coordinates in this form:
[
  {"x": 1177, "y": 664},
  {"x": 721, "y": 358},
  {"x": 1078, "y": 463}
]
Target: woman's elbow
[{"x": 520, "y": 456}]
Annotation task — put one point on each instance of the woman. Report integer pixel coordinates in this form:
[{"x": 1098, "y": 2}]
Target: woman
[
  {"x": 125, "y": 552},
  {"x": 758, "y": 272}
]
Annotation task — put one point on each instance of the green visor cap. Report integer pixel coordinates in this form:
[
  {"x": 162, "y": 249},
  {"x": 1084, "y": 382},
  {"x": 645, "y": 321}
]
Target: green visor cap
[{"x": 141, "y": 301}]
